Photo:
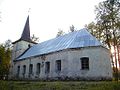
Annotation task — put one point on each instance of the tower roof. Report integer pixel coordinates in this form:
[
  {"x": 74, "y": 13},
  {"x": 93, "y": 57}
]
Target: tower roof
[{"x": 26, "y": 31}]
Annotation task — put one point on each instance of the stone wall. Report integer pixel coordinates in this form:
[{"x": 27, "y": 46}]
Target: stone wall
[
  {"x": 99, "y": 65},
  {"x": 19, "y": 48}
]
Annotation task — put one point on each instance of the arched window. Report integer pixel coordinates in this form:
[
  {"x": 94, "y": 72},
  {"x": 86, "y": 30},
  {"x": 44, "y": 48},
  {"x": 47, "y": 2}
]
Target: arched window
[
  {"x": 47, "y": 67},
  {"x": 24, "y": 69},
  {"x": 84, "y": 63},
  {"x": 38, "y": 68},
  {"x": 18, "y": 70},
  {"x": 30, "y": 68}
]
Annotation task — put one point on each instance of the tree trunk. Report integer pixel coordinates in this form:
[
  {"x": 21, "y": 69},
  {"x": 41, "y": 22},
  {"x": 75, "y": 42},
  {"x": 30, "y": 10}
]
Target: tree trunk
[
  {"x": 115, "y": 55},
  {"x": 118, "y": 54}
]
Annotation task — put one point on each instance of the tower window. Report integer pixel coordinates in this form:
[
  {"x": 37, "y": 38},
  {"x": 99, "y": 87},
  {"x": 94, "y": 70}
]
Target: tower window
[
  {"x": 31, "y": 69},
  {"x": 85, "y": 63},
  {"x": 38, "y": 68},
  {"x": 47, "y": 67},
  {"x": 58, "y": 65},
  {"x": 29, "y": 45}
]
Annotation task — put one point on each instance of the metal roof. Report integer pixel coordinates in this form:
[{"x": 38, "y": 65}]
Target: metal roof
[
  {"x": 26, "y": 31},
  {"x": 76, "y": 39}
]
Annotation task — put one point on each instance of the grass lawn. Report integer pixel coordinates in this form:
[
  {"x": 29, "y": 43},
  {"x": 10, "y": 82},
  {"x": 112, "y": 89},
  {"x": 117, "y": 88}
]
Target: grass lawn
[{"x": 59, "y": 85}]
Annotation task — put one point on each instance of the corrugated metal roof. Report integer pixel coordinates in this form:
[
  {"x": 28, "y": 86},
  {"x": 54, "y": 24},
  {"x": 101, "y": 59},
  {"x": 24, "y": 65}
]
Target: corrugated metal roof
[{"x": 77, "y": 39}]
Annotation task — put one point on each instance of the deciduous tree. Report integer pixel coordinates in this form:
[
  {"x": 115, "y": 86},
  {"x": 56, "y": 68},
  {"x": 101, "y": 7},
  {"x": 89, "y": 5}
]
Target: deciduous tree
[
  {"x": 72, "y": 28},
  {"x": 60, "y": 33},
  {"x": 107, "y": 26},
  {"x": 5, "y": 57}
]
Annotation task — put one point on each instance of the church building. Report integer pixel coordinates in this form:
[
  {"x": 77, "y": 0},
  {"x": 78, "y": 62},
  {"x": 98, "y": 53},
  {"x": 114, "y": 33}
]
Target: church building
[{"x": 74, "y": 56}]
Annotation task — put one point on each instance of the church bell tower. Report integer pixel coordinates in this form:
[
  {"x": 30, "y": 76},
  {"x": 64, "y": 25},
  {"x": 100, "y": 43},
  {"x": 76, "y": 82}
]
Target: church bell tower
[{"x": 24, "y": 43}]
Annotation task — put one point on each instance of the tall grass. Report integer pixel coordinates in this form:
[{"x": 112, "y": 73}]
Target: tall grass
[{"x": 58, "y": 85}]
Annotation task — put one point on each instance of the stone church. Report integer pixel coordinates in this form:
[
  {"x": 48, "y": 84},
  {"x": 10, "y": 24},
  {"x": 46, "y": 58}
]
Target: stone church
[{"x": 74, "y": 56}]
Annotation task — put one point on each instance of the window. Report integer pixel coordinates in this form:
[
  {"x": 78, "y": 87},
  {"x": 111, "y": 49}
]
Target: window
[
  {"x": 18, "y": 70},
  {"x": 24, "y": 69},
  {"x": 38, "y": 68},
  {"x": 58, "y": 65},
  {"x": 47, "y": 67},
  {"x": 31, "y": 69},
  {"x": 85, "y": 63},
  {"x": 29, "y": 45}
]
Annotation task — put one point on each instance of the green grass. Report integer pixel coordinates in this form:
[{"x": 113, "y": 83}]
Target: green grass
[{"x": 59, "y": 85}]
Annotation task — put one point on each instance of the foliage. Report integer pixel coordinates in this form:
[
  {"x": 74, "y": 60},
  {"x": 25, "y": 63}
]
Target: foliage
[
  {"x": 107, "y": 27},
  {"x": 107, "y": 22},
  {"x": 72, "y": 28},
  {"x": 58, "y": 85},
  {"x": 8, "y": 44},
  {"x": 60, "y": 33},
  {"x": 34, "y": 38},
  {"x": 5, "y": 56}
]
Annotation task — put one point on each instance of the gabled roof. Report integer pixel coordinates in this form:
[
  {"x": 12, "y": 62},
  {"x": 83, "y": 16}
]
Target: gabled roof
[{"x": 76, "y": 39}]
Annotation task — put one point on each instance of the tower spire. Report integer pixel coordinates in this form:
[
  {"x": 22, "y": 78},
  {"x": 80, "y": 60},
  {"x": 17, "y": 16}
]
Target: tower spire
[{"x": 26, "y": 31}]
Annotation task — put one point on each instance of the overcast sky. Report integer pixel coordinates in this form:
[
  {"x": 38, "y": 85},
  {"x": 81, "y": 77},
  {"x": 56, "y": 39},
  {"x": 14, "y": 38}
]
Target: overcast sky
[{"x": 46, "y": 17}]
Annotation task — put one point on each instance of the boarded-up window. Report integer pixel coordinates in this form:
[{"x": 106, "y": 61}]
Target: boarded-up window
[
  {"x": 85, "y": 63},
  {"x": 47, "y": 67},
  {"x": 38, "y": 68},
  {"x": 24, "y": 69},
  {"x": 58, "y": 65},
  {"x": 31, "y": 69}
]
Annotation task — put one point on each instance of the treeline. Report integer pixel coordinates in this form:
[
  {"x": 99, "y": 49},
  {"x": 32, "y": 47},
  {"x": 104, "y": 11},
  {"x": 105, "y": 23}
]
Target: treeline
[
  {"x": 5, "y": 57},
  {"x": 61, "y": 32}
]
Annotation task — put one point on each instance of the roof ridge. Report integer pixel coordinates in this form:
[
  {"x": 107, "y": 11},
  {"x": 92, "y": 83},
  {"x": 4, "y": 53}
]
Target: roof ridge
[{"x": 73, "y": 38}]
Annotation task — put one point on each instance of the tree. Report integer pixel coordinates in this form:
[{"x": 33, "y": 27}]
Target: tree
[
  {"x": 60, "y": 33},
  {"x": 8, "y": 44},
  {"x": 34, "y": 38},
  {"x": 95, "y": 30},
  {"x": 5, "y": 57},
  {"x": 72, "y": 28},
  {"x": 107, "y": 26}
]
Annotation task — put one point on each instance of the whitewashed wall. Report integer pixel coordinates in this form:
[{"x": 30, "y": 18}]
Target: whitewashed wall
[
  {"x": 19, "y": 48},
  {"x": 99, "y": 64}
]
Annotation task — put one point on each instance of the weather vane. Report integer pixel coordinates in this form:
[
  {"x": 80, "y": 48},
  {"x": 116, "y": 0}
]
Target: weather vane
[{"x": 29, "y": 10}]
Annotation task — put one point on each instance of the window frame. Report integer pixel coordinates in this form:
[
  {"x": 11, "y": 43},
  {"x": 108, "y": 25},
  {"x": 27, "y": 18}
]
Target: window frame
[
  {"x": 84, "y": 63},
  {"x": 38, "y": 68},
  {"x": 47, "y": 67},
  {"x": 18, "y": 70},
  {"x": 24, "y": 69},
  {"x": 58, "y": 65},
  {"x": 31, "y": 69}
]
